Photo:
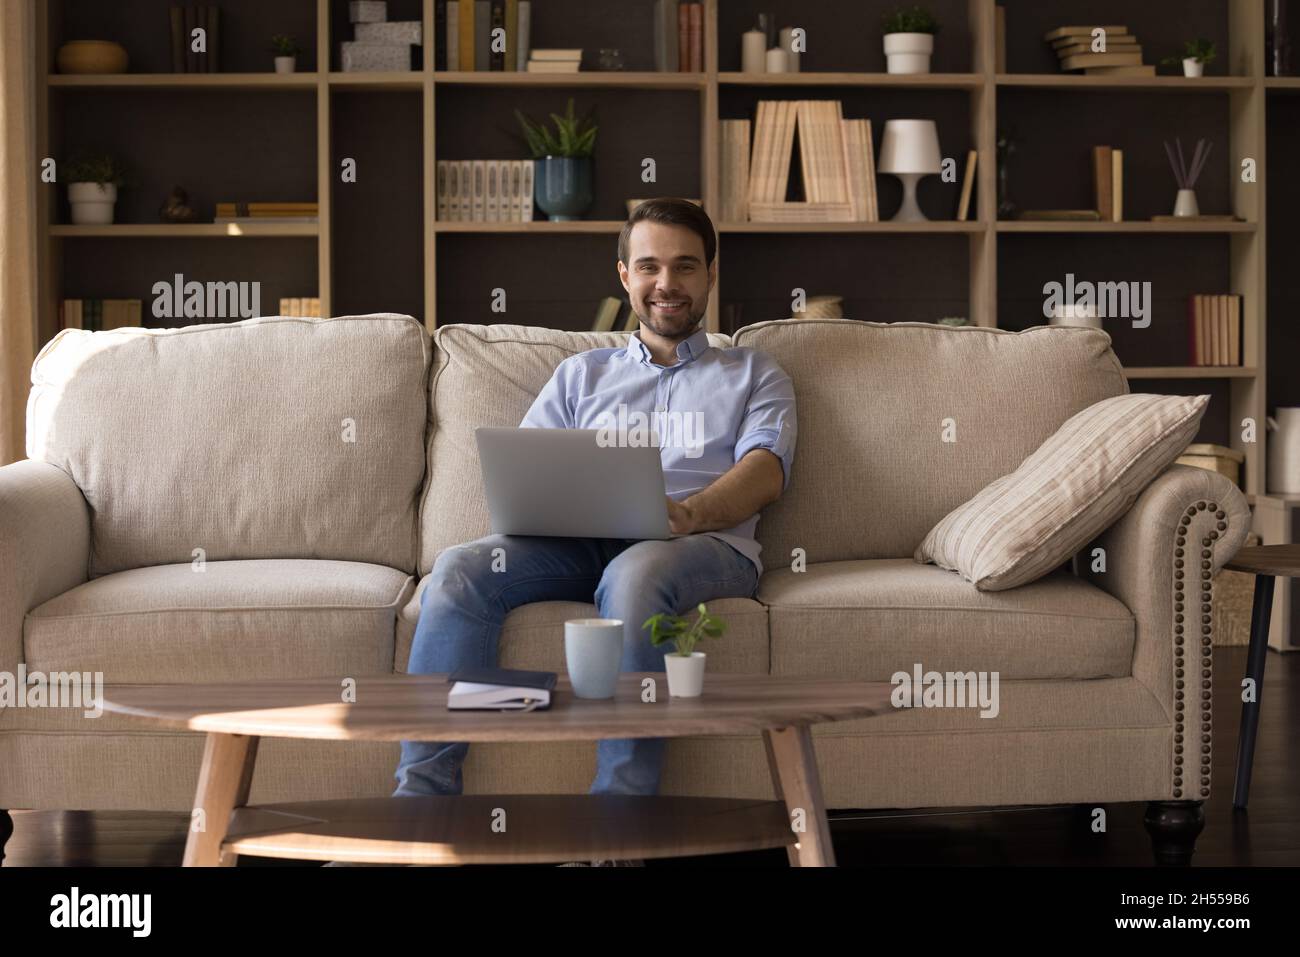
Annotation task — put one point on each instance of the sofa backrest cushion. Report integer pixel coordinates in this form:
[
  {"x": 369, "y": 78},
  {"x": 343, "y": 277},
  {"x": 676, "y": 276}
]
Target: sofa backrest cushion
[
  {"x": 266, "y": 438},
  {"x": 899, "y": 423},
  {"x": 484, "y": 375}
]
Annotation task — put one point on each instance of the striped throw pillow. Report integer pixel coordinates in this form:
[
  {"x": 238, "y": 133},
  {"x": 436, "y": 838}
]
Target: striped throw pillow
[{"x": 1073, "y": 486}]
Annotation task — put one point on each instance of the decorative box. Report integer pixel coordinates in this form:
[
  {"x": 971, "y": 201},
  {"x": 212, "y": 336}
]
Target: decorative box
[
  {"x": 394, "y": 31},
  {"x": 368, "y": 11},
  {"x": 1215, "y": 458},
  {"x": 374, "y": 57}
]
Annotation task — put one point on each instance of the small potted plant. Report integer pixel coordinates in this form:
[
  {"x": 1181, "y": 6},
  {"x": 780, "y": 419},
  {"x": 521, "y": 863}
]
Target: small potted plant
[
  {"x": 562, "y": 179},
  {"x": 909, "y": 40},
  {"x": 685, "y": 665},
  {"x": 93, "y": 182},
  {"x": 286, "y": 53},
  {"x": 1196, "y": 53}
]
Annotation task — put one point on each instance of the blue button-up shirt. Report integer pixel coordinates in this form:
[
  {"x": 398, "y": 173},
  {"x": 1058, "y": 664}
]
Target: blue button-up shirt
[{"x": 706, "y": 411}]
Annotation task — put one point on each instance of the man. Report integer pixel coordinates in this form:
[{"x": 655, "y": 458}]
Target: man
[{"x": 737, "y": 462}]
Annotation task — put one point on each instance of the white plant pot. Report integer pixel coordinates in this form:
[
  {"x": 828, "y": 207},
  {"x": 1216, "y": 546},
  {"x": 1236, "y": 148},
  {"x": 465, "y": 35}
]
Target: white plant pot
[
  {"x": 1284, "y": 451},
  {"x": 908, "y": 52},
  {"x": 286, "y": 64},
  {"x": 685, "y": 674},
  {"x": 1185, "y": 203},
  {"x": 92, "y": 203},
  {"x": 1193, "y": 67}
]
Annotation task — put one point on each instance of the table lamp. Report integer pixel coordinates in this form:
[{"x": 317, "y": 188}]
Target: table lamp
[{"x": 910, "y": 150}]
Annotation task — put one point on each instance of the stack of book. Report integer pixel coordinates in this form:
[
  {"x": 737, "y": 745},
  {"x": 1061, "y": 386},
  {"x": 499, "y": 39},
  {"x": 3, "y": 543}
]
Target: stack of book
[
  {"x": 463, "y": 35},
  {"x": 1115, "y": 52},
  {"x": 1214, "y": 330},
  {"x": 555, "y": 61},
  {"x": 613, "y": 315},
  {"x": 246, "y": 214},
  {"x": 183, "y": 22},
  {"x": 308, "y": 307},
  {"x": 378, "y": 44},
  {"x": 837, "y": 165},
  {"x": 97, "y": 315},
  {"x": 491, "y": 191},
  {"x": 679, "y": 36}
]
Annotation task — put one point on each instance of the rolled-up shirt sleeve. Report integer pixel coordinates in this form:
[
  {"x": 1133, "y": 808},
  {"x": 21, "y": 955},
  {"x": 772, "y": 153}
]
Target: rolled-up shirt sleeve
[
  {"x": 555, "y": 405},
  {"x": 769, "y": 421}
]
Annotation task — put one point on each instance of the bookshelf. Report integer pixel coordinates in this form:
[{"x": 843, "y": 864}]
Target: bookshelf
[{"x": 253, "y": 134}]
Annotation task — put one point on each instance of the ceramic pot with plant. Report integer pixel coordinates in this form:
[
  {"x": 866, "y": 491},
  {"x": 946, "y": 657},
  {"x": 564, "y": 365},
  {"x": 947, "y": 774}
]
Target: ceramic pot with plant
[
  {"x": 1196, "y": 53},
  {"x": 685, "y": 665},
  {"x": 563, "y": 175},
  {"x": 909, "y": 40},
  {"x": 93, "y": 181},
  {"x": 286, "y": 53}
]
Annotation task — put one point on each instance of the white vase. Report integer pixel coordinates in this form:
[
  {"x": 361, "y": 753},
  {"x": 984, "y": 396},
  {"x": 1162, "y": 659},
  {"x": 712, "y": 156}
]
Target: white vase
[
  {"x": 1185, "y": 203},
  {"x": 92, "y": 203},
  {"x": 685, "y": 674},
  {"x": 908, "y": 52},
  {"x": 1284, "y": 451},
  {"x": 1193, "y": 67},
  {"x": 286, "y": 64}
]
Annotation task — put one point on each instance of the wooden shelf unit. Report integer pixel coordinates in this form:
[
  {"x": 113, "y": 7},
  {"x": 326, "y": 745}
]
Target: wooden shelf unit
[{"x": 970, "y": 76}]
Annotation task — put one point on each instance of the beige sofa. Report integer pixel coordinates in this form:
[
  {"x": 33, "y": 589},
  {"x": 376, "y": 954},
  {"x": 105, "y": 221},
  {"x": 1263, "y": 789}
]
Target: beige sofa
[{"x": 315, "y": 469}]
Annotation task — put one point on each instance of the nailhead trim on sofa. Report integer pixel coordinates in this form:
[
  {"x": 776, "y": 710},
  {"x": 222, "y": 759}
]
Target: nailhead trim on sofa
[{"x": 1207, "y": 638}]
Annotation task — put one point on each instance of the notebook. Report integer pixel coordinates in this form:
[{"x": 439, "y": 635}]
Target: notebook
[{"x": 500, "y": 689}]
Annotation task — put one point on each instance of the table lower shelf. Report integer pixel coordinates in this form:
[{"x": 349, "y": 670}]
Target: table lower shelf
[{"x": 507, "y": 828}]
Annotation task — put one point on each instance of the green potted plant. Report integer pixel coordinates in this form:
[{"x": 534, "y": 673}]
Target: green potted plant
[
  {"x": 286, "y": 52},
  {"x": 909, "y": 40},
  {"x": 1196, "y": 53},
  {"x": 685, "y": 665},
  {"x": 562, "y": 180},
  {"x": 93, "y": 181}
]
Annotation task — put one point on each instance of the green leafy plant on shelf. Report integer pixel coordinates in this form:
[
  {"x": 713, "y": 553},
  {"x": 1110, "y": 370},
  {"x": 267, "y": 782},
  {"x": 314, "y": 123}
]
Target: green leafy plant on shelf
[
  {"x": 284, "y": 46},
  {"x": 571, "y": 137},
  {"x": 92, "y": 167},
  {"x": 915, "y": 20},
  {"x": 683, "y": 633},
  {"x": 1201, "y": 50}
]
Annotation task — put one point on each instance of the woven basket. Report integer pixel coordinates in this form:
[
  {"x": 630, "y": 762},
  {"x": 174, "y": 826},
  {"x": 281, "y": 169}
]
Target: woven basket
[{"x": 823, "y": 307}]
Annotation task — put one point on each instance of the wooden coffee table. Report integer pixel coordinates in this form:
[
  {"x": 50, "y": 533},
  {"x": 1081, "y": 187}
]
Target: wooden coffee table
[{"x": 466, "y": 829}]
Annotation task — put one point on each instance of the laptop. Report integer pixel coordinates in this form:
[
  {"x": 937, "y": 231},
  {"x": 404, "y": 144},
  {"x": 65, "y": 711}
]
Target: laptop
[{"x": 562, "y": 482}]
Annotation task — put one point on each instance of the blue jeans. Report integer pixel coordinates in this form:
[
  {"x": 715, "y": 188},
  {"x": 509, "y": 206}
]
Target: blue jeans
[{"x": 466, "y": 601}]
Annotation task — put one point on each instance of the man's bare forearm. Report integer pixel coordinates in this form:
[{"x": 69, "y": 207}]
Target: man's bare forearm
[{"x": 749, "y": 485}]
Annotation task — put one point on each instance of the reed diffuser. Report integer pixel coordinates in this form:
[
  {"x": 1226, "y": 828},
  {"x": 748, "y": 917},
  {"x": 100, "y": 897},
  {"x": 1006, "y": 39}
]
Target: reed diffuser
[{"x": 1186, "y": 175}]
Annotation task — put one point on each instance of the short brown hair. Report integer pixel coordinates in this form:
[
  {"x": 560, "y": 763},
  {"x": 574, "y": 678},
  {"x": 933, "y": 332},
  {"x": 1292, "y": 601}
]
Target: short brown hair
[{"x": 674, "y": 212}]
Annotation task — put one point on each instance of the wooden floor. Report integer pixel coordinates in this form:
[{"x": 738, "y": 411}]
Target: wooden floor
[{"x": 1267, "y": 834}]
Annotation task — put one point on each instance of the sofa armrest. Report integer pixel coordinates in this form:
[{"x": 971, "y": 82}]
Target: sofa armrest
[
  {"x": 1160, "y": 557},
  {"x": 44, "y": 545}
]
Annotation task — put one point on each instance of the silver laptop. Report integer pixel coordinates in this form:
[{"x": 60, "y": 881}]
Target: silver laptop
[{"x": 561, "y": 482}]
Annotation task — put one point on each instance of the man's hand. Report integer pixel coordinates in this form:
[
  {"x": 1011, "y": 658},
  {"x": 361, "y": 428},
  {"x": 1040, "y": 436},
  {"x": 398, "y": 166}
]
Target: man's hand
[{"x": 681, "y": 520}]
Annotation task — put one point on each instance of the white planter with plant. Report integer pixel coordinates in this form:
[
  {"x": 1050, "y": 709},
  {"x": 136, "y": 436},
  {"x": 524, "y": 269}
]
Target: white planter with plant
[
  {"x": 909, "y": 40},
  {"x": 93, "y": 181},
  {"x": 1196, "y": 53},
  {"x": 685, "y": 665},
  {"x": 286, "y": 53}
]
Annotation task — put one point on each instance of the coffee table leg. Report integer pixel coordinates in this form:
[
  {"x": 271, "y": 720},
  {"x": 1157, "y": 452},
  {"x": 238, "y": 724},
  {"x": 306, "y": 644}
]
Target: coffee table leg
[
  {"x": 224, "y": 781},
  {"x": 793, "y": 764},
  {"x": 1255, "y": 659}
]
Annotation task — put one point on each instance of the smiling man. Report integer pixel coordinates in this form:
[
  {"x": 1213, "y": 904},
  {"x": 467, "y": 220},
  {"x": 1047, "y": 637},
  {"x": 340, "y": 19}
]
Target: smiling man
[{"x": 736, "y": 462}]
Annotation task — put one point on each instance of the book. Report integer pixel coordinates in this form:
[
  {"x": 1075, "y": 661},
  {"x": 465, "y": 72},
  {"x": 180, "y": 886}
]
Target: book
[
  {"x": 497, "y": 21},
  {"x": 553, "y": 66},
  {"x": 478, "y": 191},
  {"x": 695, "y": 36},
  {"x": 665, "y": 36},
  {"x": 1074, "y": 46},
  {"x": 734, "y": 170},
  {"x": 967, "y": 185},
  {"x": 451, "y": 34},
  {"x": 467, "y": 21},
  {"x": 683, "y": 38},
  {"x": 1234, "y": 330},
  {"x": 511, "y": 60},
  {"x": 1117, "y": 185},
  {"x": 440, "y": 190},
  {"x": 176, "y": 20},
  {"x": 440, "y": 34},
  {"x": 1102, "y": 176},
  {"x": 1067, "y": 215},
  {"x": 491, "y": 189},
  {"x": 482, "y": 35},
  {"x": 1063, "y": 32},
  {"x": 1141, "y": 70},
  {"x": 524, "y": 43},
  {"x": 1113, "y": 36},
  {"x": 500, "y": 689},
  {"x": 555, "y": 53},
  {"x": 633, "y": 322},
  {"x": 1081, "y": 60},
  {"x": 526, "y": 190},
  {"x": 606, "y": 314}
]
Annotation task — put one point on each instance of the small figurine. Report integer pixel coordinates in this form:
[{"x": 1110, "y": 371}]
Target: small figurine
[{"x": 176, "y": 208}]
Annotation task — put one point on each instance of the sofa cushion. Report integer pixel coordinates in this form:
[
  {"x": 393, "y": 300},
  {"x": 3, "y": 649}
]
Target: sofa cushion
[
  {"x": 1073, "y": 486},
  {"x": 866, "y": 620},
  {"x": 267, "y": 438},
  {"x": 533, "y": 635},
  {"x": 275, "y": 618},
  {"x": 899, "y": 423},
  {"x": 484, "y": 375}
]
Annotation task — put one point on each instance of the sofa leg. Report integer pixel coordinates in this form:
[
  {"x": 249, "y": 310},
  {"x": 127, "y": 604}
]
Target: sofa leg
[
  {"x": 1173, "y": 826},
  {"x": 6, "y": 832}
]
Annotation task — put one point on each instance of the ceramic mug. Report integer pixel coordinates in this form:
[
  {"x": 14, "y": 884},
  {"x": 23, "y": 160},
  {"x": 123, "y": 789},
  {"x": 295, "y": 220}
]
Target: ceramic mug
[{"x": 593, "y": 653}]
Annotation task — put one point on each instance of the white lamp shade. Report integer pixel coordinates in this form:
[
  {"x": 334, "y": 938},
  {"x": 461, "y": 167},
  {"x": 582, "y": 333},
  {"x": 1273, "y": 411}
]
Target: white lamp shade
[{"x": 910, "y": 146}]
